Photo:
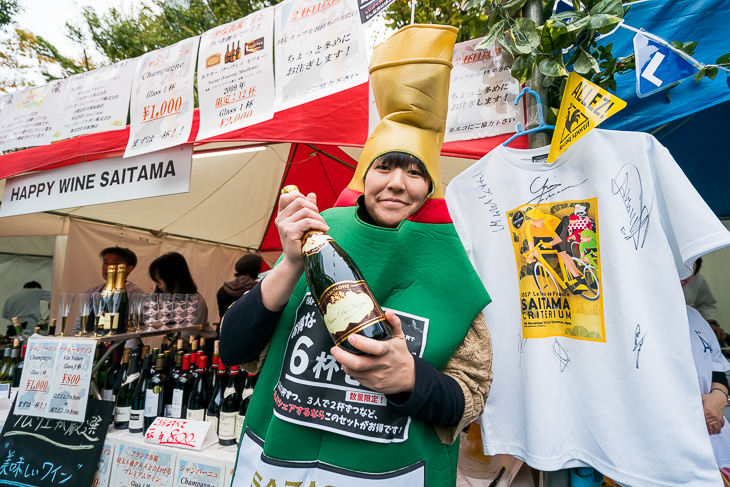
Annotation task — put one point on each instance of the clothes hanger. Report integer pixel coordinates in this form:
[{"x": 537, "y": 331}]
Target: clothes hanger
[{"x": 542, "y": 126}]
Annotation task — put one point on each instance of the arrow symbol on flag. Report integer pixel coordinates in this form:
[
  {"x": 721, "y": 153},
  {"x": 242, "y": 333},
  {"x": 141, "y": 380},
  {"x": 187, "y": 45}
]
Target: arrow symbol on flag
[{"x": 648, "y": 73}]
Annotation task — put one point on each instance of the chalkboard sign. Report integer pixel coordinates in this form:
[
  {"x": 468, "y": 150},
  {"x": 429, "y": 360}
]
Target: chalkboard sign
[{"x": 37, "y": 452}]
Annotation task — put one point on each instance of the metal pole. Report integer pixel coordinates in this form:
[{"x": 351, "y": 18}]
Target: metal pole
[{"x": 533, "y": 10}]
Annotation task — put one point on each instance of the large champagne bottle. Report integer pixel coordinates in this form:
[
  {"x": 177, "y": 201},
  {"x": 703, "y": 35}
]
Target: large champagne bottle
[
  {"x": 136, "y": 417},
  {"x": 200, "y": 396},
  {"x": 120, "y": 315},
  {"x": 106, "y": 296},
  {"x": 343, "y": 297},
  {"x": 123, "y": 410}
]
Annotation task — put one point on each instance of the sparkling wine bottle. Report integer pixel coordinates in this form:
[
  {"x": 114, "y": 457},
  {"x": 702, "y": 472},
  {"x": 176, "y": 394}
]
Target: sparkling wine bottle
[{"x": 343, "y": 297}]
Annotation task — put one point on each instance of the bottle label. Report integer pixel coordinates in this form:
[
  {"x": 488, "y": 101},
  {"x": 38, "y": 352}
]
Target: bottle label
[
  {"x": 212, "y": 420},
  {"x": 246, "y": 393},
  {"x": 240, "y": 419},
  {"x": 229, "y": 392},
  {"x": 122, "y": 415},
  {"x": 168, "y": 410},
  {"x": 106, "y": 394},
  {"x": 131, "y": 378},
  {"x": 314, "y": 242},
  {"x": 347, "y": 308},
  {"x": 177, "y": 400},
  {"x": 150, "y": 403},
  {"x": 227, "y": 426},
  {"x": 196, "y": 414},
  {"x": 136, "y": 419}
]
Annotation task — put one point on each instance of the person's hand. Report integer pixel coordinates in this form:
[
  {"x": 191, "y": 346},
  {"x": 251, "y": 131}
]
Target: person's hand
[
  {"x": 389, "y": 368},
  {"x": 714, "y": 405},
  {"x": 297, "y": 214},
  {"x": 719, "y": 332}
]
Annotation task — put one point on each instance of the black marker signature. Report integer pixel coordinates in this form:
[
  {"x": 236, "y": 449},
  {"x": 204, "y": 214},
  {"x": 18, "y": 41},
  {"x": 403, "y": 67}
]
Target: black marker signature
[
  {"x": 521, "y": 342},
  {"x": 638, "y": 343},
  {"x": 627, "y": 183},
  {"x": 488, "y": 200},
  {"x": 544, "y": 190},
  {"x": 561, "y": 354}
]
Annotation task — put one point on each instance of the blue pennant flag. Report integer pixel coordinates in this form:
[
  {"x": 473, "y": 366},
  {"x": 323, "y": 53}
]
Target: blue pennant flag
[{"x": 658, "y": 67}]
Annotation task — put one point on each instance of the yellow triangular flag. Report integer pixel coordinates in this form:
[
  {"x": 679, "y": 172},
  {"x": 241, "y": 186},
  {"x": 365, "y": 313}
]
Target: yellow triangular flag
[{"x": 584, "y": 106}]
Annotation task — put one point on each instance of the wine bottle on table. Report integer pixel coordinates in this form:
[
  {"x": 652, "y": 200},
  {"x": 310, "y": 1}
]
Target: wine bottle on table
[
  {"x": 136, "y": 416},
  {"x": 183, "y": 388},
  {"x": 19, "y": 368},
  {"x": 243, "y": 407},
  {"x": 120, "y": 315},
  {"x": 169, "y": 383},
  {"x": 123, "y": 410},
  {"x": 213, "y": 371},
  {"x": 10, "y": 364},
  {"x": 153, "y": 401},
  {"x": 343, "y": 297},
  {"x": 111, "y": 376},
  {"x": 122, "y": 374},
  {"x": 200, "y": 395},
  {"x": 229, "y": 410},
  {"x": 212, "y": 414},
  {"x": 104, "y": 327},
  {"x": 52, "y": 328}
]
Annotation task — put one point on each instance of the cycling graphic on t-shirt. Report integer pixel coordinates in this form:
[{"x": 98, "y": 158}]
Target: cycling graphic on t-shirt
[{"x": 557, "y": 252}]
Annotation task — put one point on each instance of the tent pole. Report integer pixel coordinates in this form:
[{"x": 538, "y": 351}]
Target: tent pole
[{"x": 533, "y": 10}]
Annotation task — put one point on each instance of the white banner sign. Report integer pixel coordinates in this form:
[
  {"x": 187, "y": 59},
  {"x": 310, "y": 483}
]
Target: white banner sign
[
  {"x": 95, "y": 101},
  {"x": 92, "y": 183},
  {"x": 56, "y": 377},
  {"x": 481, "y": 95},
  {"x": 27, "y": 117},
  {"x": 320, "y": 50},
  {"x": 163, "y": 98},
  {"x": 236, "y": 74}
]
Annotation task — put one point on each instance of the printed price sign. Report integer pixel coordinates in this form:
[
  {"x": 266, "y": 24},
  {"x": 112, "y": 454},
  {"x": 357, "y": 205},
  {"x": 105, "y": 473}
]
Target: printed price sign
[
  {"x": 104, "y": 469},
  {"x": 193, "y": 471},
  {"x": 56, "y": 377},
  {"x": 181, "y": 433},
  {"x": 42, "y": 452},
  {"x": 143, "y": 467}
]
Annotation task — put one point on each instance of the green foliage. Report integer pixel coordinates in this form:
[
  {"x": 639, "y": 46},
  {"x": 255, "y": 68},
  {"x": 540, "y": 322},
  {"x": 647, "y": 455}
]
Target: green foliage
[
  {"x": 471, "y": 23},
  {"x": 8, "y": 9},
  {"x": 564, "y": 42}
]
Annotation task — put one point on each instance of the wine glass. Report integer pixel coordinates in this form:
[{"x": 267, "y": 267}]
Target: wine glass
[
  {"x": 97, "y": 304},
  {"x": 84, "y": 306},
  {"x": 180, "y": 304},
  {"x": 192, "y": 309},
  {"x": 135, "y": 313},
  {"x": 150, "y": 308},
  {"x": 166, "y": 306},
  {"x": 65, "y": 302}
]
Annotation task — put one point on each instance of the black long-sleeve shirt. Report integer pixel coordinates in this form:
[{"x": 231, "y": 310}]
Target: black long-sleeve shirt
[{"x": 248, "y": 326}]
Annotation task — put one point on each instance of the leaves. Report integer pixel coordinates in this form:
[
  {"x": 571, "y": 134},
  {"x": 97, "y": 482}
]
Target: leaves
[
  {"x": 553, "y": 66},
  {"x": 496, "y": 30},
  {"x": 525, "y": 36},
  {"x": 522, "y": 67},
  {"x": 585, "y": 63}
]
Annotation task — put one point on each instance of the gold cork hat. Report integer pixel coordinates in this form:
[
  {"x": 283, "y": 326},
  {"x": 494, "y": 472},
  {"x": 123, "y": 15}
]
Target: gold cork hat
[{"x": 410, "y": 74}]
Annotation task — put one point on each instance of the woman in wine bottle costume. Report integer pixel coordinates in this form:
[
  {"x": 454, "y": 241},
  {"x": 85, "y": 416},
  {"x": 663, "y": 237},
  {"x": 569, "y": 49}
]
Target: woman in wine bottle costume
[{"x": 320, "y": 415}]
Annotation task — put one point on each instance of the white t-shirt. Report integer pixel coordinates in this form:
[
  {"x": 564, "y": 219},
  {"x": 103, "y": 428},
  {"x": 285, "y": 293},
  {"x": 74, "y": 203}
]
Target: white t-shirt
[
  {"x": 708, "y": 359},
  {"x": 601, "y": 376}
]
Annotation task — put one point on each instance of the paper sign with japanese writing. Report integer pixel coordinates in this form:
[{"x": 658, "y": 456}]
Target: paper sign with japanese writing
[
  {"x": 236, "y": 74},
  {"x": 104, "y": 470},
  {"x": 181, "y": 433},
  {"x": 95, "y": 101},
  {"x": 314, "y": 391},
  {"x": 320, "y": 50},
  {"x": 162, "y": 106},
  {"x": 481, "y": 94},
  {"x": 583, "y": 107},
  {"x": 230, "y": 469},
  {"x": 136, "y": 465},
  {"x": 370, "y": 8},
  {"x": 56, "y": 377},
  {"x": 28, "y": 118},
  {"x": 43, "y": 452},
  {"x": 104, "y": 181},
  {"x": 200, "y": 473}
]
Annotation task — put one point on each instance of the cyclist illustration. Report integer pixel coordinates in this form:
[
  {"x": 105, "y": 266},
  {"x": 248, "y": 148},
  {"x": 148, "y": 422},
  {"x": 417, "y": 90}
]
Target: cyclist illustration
[
  {"x": 549, "y": 232},
  {"x": 588, "y": 247},
  {"x": 578, "y": 222}
]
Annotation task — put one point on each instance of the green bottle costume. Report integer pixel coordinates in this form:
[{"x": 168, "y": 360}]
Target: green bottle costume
[{"x": 419, "y": 268}]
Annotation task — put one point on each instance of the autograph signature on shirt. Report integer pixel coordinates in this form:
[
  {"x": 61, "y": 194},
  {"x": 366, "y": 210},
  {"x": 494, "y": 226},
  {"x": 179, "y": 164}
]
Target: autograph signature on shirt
[
  {"x": 638, "y": 343},
  {"x": 627, "y": 184},
  {"x": 561, "y": 353},
  {"x": 543, "y": 190}
]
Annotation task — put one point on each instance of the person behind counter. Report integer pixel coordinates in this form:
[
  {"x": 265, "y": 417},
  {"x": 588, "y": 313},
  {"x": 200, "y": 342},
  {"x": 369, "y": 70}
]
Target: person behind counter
[
  {"x": 112, "y": 256},
  {"x": 392, "y": 415},
  {"x": 171, "y": 274},
  {"x": 26, "y": 306},
  {"x": 247, "y": 272}
]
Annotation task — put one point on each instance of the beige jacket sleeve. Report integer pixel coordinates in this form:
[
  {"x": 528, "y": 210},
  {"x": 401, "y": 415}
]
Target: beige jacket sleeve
[{"x": 471, "y": 367}]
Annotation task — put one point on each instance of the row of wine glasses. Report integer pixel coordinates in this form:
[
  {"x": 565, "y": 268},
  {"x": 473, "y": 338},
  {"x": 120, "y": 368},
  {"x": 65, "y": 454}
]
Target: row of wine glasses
[{"x": 156, "y": 311}]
